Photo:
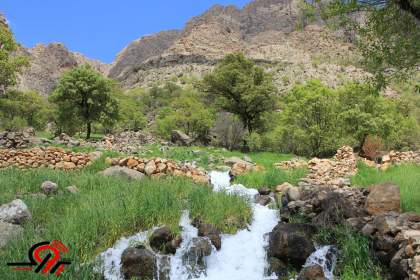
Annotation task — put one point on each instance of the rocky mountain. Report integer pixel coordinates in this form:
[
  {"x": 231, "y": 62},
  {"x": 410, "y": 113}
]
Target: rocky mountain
[
  {"x": 268, "y": 31},
  {"x": 47, "y": 63},
  {"x": 272, "y": 32}
]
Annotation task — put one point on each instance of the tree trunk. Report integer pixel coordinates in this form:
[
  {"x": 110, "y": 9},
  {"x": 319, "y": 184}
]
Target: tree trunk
[{"x": 88, "y": 130}]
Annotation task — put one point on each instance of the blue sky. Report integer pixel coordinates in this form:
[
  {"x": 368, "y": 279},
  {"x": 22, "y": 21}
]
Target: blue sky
[{"x": 99, "y": 28}]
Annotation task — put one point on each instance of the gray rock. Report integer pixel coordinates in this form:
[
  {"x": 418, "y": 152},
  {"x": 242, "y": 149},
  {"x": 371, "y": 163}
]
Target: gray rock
[
  {"x": 72, "y": 189},
  {"x": 263, "y": 200},
  {"x": 180, "y": 138},
  {"x": 8, "y": 232},
  {"x": 123, "y": 172},
  {"x": 293, "y": 193},
  {"x": 49, "y": 187},
  {"x": 211, "y": 232},
  {"x": 138, "y": 262},
  {"x": 163, "y": 240},
  {"x": 15, "y": 212},
  {"x": 264, "y": 191},
  {"x": 95, "y": 155}
]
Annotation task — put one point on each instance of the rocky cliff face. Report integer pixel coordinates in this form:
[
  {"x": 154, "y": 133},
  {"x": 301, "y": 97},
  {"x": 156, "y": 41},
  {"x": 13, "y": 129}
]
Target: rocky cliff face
[
  {"x": 47, "y": 63},
  {"x": 265, "y": 30}
]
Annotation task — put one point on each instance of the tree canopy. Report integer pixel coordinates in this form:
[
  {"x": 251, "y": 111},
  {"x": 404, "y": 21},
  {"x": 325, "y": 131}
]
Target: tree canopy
[
  {"x": 242, "y": 88},
  {"x": 83, "y": 97}
]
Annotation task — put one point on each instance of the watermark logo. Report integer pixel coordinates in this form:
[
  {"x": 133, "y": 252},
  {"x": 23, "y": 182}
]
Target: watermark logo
[{"x": 44, "y": 257}]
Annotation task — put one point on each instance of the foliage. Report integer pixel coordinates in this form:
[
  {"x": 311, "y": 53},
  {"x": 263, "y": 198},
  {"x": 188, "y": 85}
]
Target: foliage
[
  {"x": 242, "y": 88},
  {"x": 254, "y": 142},
  {"x": 24, "y": 109},
  {"x": 228, "y": 131},
  {"x": 316, "y": 120},
  {"x": 372, "y": 147},
  {"x": 309, "y": 120},
  {"x": 10, "y": 64},
  {"x": 131, "y": 116},
  {"x": 405, "y": 176},
  {"x": 387, "y": 37},
  {"x": 106, "y": 209},
  {"x": 187, "y": 113},
  {"x": 355, "y": 261},
  {"x": 83, "y": 97}
]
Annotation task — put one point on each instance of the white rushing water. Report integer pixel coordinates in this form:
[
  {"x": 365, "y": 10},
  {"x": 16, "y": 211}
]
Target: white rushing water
[
  {"x": 242, "y": 256},
  {"x": 326, "y": 257}
]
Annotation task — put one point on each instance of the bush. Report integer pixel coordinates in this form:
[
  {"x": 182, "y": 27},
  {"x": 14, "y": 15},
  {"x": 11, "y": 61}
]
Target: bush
[
  {"x": 20, "y": 109},
  {"x": 228, "y": 131},
  {"x": 187, "y": 113},
  {"x": 254, "y": 142},
  {"x": 372, "y": 147}
]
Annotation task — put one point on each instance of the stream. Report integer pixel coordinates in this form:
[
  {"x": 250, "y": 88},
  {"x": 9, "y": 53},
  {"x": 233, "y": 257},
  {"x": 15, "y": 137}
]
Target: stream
[{"x": 242, "y": 256}]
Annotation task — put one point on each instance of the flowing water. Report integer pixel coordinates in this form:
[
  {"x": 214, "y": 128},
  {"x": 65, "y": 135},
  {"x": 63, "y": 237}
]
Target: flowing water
[{"x": 242, "y": 256}]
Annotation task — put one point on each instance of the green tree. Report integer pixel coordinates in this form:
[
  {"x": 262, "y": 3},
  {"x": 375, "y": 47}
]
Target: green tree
[
  {"x": 32, "y": 108},
  {"x": 131, "y": 116},
  {"x": 84, "y": 96},
  {"x": 188, "y": 114},
  {"x": 387, "y": 38},
  {"x": 10, "y": 64},
  {"x": 242, "y": 88},
  {"x": 309, "y": 120}
]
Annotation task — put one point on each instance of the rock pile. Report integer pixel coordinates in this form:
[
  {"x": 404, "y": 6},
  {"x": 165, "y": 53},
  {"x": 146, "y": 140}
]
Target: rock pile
[
  {"x": 125, "y": 142},
  {"x": 401, "y": 157},
  {"x": 241, "y": 166},
  {"x": 52, "y": 157},
  {"x": 292, "y": 164},
  {"x": 16, "y": 140},
  {"x": 64, "y": 139},
  {"x": 332, "y": 172},
  {"x": 157, "y": 168},
  {"x": 373, "y": 212}
]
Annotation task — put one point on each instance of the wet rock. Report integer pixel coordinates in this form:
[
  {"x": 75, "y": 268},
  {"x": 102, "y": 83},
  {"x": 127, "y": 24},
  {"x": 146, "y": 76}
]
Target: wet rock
[
  {"x": 264, "y": 191},
  {"x": 276, "y": 266},
  {"x": 292, "y": 243},
  {"x": 138, "y": 262},
  {"x": 211, "y": 232},
  {"x": 383, "y": 198},
  {"x": 163, "y": 240},
  {"x": 263, "y": 200},
  {"x": 15, "y": 212},
  {"x": 8, "y": 232},
  {"x": 49, "y": 187},
  {"x": 180, "y": 138},
  {"x": 164, "y": 267},
  {"x": 194, "y": 257},
  {"x": 123, "y": 172},
  {"x": 313, "y": 272}
]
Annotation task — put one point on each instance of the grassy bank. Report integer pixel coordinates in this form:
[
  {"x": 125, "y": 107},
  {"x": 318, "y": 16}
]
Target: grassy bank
[
  {"x": 406, "y": 176},
  {"x": 106, "y": 209}
]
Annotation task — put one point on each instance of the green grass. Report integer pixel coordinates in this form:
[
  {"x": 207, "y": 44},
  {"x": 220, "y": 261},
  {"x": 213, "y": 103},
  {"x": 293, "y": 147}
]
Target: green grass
[
  {"x": 355, "y": 261},
  {"x": 407, "y": 177},
  {"x": 106, "y": 209},
  {"x": 271, "y": 176}
]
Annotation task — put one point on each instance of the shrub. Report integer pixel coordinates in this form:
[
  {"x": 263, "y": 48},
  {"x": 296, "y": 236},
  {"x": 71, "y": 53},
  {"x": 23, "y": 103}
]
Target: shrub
[
  {"x": 228, "y": 131},
  {"x": 372, "y": 147},
  {"x": 254, "y": 142}
]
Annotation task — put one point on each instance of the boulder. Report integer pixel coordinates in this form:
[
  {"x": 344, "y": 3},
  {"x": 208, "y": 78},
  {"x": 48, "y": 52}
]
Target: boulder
[
  {"x": 293, "y": 193},
  {"x": 241, "y": 168},
  {"x": 264, "y": 191},
  {"x": 163, "y": 240},
  {"x": 283, "y": 187},
  {"x": 8, "y": 232},
  {"x": 95, "y": 155},
  {"x": 211, "y": 232},
  {"x": 180, "y": 138},
  {"x": 383, "y": 198},
  {"x": 313, "y": 272},
  {"x": 15, "y": 212},
  {"x": 150, "y": 167},
  {"x": 123, "y": 172},
  {"x": 292, "y": 243},
  {"x": 49, "y": 187},
  {"x": 263, "y": 200},
  {"x": 194, "y": 256},
  {"x": 138, "y": 263}
]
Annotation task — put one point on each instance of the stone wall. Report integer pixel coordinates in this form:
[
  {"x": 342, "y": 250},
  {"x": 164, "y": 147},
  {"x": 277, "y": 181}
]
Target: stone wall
[
  {"x": 158, "y": 167},
  {"x": 52, "y": 157}
]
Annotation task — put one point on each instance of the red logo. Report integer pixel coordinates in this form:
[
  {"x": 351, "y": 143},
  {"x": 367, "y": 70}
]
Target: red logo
[{"x": 44, "y": 257}]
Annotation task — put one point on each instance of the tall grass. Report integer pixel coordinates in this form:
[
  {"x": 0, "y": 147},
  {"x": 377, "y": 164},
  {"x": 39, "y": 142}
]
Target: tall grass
[
  {"x": 106, "y": 209},
  {"x": 355, "y": 261},
  {"x": 406, "y": 176}
]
